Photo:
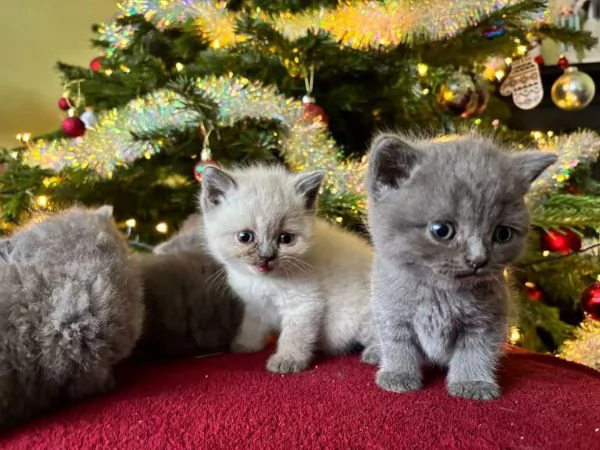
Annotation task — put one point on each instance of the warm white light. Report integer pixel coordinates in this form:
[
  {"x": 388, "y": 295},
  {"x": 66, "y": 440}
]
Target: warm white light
[
  {"x": 515, "y": 335},
  {"x": 422, "y": 69},
  {"x": 162, "y": 228},
  {"x": 131, "y": 223},
  {"x": 42, "y": 201}
]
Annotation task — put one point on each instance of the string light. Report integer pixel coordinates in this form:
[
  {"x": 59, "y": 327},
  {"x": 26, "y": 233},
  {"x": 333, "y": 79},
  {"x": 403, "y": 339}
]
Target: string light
[
  {"x": 514, "y": 335},
  {"x": 162, "y": 228},
  {"x": 422, "y": 69},
  {"x": 179, "y": 66},
  {"x": 42, "y": 201},
  {"x": 131, "y": 223},
  {"x": 23, "y": 138}
]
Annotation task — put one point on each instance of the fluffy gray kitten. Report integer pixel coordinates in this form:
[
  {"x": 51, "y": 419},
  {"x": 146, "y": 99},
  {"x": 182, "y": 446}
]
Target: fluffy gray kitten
[
  {"x": 190, "y": 309},
  {"x": 446, "y": 218},
  {"x": 296, "y": 274},
  {"x": 70, "y": 309}
]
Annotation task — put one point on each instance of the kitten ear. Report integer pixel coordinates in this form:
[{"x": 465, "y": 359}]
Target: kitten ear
[
  {"x": 105, "y": 211},
  {"x": 215, "y": 185},
  {"x": 531, "y": 163},
  {"x": 391, "y": 160},
  {"x": 308, "y": 185}
]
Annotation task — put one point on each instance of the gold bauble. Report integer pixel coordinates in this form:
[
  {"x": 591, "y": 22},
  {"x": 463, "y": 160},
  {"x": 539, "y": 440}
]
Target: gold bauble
[{"x": 573, "y": 90}]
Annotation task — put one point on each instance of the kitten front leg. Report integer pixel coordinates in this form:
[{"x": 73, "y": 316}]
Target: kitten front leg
[
  {"x": 472, "y": 372},
  {"x": 299, "y": 333},
  {"x": 399, "y": 369},
  {"x": 252, "y": 334}
]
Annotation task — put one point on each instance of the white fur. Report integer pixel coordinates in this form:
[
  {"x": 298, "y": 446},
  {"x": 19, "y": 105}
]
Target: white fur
[{"x": 319, "y": 299}]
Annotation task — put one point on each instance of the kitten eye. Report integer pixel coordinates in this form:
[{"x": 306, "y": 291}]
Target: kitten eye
[
  {"x": 442, "y": 230},
  {"x": 503, "y": 234},
  {"x": 286, "y": 238},
  {"x": 245, "y": 237}
]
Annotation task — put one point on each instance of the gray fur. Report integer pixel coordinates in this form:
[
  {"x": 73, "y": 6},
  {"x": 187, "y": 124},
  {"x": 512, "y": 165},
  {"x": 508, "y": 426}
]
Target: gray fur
[
  {"x": 70, "y": 309},
  {"x": 188, "y": 238},
  {"x": 313, "y": 290},
  {"x": 190, "y": 309},
  {"x": 445, "y": 301}
]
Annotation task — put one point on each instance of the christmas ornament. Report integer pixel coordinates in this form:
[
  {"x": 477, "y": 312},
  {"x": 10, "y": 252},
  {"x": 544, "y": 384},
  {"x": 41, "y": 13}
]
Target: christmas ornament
[
  {"x": 573, "y": 90},
  {"x": 64, "y": 103},
  {"x": 89, "y": 118},
  {"x": 533, "y": 292},
  {"x": 312, "y": 111},
  {"x": 524, "y": 83},
  {"x": 205, "y": 161},
  {"x": 497, "y": 30},
  {"x": 495, "y": 68},
  {"x": 96, "y": 64},
  {"x": 464, "y": 95},
  {"x": 590, "y": 300},
  {"x": 535, "y": 50},
  {"x": 563, "y": 62},
  {"x": 562, "y": 241},
  {"x": 73, "y": 127}
]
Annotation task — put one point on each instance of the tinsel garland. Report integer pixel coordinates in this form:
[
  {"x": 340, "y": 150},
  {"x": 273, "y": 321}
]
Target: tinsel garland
[
  {"x": 360, "y": 25},
  {"x": 584, "y": 348},
  {"x": 114, "y": 141}
]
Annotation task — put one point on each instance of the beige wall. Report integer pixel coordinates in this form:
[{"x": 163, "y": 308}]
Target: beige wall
[{"x": 34, "y": 34}]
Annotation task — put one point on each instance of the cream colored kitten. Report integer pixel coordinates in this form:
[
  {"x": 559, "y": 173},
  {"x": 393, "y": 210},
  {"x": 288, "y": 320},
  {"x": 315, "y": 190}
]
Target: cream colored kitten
[{"x": 296, "y": 274}]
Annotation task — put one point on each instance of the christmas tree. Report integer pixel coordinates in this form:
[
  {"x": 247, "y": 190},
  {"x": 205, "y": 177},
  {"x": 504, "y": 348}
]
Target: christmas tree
[{"x": 179, "y": 85}]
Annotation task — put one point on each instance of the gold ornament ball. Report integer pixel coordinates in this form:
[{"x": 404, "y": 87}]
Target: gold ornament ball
[{"x": 573, "y": 90}]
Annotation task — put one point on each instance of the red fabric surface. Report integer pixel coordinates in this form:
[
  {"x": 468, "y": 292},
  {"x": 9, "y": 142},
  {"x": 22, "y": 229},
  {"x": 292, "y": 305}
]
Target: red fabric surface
[{"x": 230, "y": 401}]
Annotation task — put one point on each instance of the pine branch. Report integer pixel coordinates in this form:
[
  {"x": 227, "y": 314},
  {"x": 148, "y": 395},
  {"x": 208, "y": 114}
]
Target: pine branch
[
  {"x": 568, "y": 210},
  {"x": 579, "y": 40}
]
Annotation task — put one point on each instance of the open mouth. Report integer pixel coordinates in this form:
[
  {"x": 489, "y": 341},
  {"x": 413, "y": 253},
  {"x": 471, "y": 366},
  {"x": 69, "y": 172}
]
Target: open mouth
[{"x": 263, "y": 268}]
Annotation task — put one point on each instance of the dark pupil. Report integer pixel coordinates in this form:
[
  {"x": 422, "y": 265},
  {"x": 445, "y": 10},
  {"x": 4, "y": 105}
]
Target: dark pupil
[
  {"x": 441, "y": 230},
  {"x": 245, "y": 236},
  {"x": 285, "y": 238},
  {"x": 502, "y": 234}
]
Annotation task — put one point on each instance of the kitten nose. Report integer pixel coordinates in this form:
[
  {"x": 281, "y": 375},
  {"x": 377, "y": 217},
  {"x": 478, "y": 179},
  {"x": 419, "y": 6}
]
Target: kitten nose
[
  {"x": 267, "y": 258},
  {"x": 477, "y": 262}
]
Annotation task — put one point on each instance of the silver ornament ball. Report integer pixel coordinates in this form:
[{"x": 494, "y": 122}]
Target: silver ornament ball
[{"x": 573, "y": 90}]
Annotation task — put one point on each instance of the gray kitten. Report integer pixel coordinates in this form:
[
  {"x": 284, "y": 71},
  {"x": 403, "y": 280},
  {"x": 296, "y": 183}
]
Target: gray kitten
[
  {"x": 70, "y": 309},
  {"x": 190, "y": 309},
  {"x": 446, "y": 218},
  {"x": 187, "y": 238}
]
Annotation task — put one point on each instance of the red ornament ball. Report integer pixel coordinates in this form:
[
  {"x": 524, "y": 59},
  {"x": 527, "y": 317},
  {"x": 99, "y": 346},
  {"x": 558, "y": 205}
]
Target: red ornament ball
[
  {"x": 590, "y": 300},
  {"x": 563, "y": 62},
  {"x": 64, "y": 103},
  {"x": 313, "y": 112},
  {"x": 539, "y": 60},
  {"x": 73, "y": 127},
  {"x": 96, "y": 64},
  {"x": 562, "y": 241},
  {"x": 534, "y": 293},
  {"x": 201, "y": 166}
]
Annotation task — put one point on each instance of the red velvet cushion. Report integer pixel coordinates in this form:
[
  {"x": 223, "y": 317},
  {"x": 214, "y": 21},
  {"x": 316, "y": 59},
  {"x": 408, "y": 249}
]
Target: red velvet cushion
[{"x": 230, "y": 401}]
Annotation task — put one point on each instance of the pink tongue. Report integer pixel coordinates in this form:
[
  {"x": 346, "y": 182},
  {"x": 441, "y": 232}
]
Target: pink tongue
[{"x": 265, "y": 268}]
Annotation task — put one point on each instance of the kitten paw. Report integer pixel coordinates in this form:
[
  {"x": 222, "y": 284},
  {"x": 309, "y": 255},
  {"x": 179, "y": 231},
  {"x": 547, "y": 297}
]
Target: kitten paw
[
  {"x": 371, "y": 355},
  {"x": 243, "y": 347},
  {"x": 398, "y": 382},
  {"x": 284, "y": 364},
  {"x": 474, "y": 390}
]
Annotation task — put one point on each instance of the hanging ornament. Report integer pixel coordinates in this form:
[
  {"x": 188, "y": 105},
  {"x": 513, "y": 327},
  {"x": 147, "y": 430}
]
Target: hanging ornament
[
  {"x": 496, "y": 30},
  {"x": 312, "y": 111},
  {"x": 535, "y": 50},
  {"x": 563, "y": 241},
  {"x": 205, "y": 155},
  {"x": 73, "y": 127},
  {"x": 533, "y": 292},
  {"x": 89, "y": 118},
  {"x": 464, "y": 95},
  {"x": 96, "y": 64},
  {"x": 573, "y": 90},
  {"x": 590, "y": 300},
  {"x": 65, "y": 103},
  {"x": 524, "y": 83}
]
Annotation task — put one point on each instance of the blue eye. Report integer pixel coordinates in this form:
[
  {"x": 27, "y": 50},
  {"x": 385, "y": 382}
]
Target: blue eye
[
  {"x": 443, "y": 231},
  {"x": 245, "y": 237},
  {"x": 503, "y": 234}
]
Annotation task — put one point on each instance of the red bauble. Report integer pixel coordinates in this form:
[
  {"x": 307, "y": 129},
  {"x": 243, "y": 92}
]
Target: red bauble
[
  {"x": 313, "y": 112},
  {"x": 73, "y": 127},
  {"x": 64, "y": 103},
  {"x": 96, "y": 64},
  {"x": 590, "y": 300},
  {"x": 539, "y": 60},
  {"x": 562, "y": 241},
  {"x": 201, "y": 166},
  {"x": 563, "y": 62},
  {"x": 534, "y": 294}
]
